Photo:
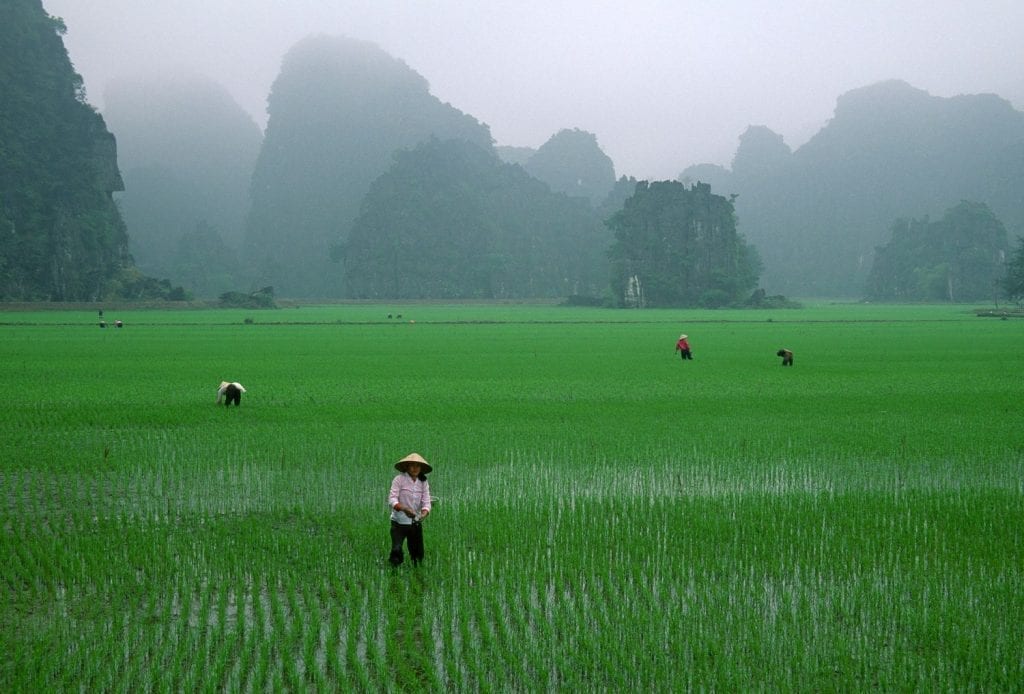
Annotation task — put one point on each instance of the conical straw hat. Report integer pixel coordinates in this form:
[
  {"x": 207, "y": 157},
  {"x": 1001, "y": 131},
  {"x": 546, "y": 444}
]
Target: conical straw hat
[{"x": 425, "y": 467}]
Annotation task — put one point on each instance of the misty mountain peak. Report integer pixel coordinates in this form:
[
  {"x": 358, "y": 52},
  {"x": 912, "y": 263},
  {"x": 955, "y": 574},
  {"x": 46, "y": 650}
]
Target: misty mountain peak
[
  {"x": 893, "y": 114},
  {"x": 894, "y": 94},
  {"x": 321, "y": 63},
  {"x": 891, "y": 151},
  {"x": 338, "y": 112},
  {"x": 177, "y": 119},
  {"x": 761, "y": 150},
  {"x": 572, "y": 162}
]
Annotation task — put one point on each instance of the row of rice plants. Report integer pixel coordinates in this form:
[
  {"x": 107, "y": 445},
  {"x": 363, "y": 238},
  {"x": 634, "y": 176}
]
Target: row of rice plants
[
  {"x": 814, "y": 573},
  {"x": 725, "y": 574}
]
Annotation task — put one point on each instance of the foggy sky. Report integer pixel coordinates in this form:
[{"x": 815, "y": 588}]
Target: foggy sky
[{"x": 663, "y": 84}]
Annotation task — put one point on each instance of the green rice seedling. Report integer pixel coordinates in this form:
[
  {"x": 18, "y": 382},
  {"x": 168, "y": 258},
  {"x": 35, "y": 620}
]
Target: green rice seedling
[
  {"x": 310, "y": 632},
  {"x": 356, "y": 661},
  {"x": 466, "y": 651},
  {"x": 261, "y": 678},
  {"x": 334, "y": 647},
  {"x": 248, "y": 630},
  {"x": 196, "y": 663},
  {"x": 293, "y": 627},
  {"x": 379, "y": 628},
  {"x": 182, "y": 634},
  {"x": 223, "y": 642},
  {"x": 442, "y": 644}
]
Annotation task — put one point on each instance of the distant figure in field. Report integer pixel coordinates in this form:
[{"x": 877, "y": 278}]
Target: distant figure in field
[
  {"x": 410, "y": 501},
  {"x": 683, "y": 347},
  {"x": 103, "y": 323},
  {"x": 118, "y": 324},
  {"x": 787, "y": 357},
  {"x": 230, "y": 392}
]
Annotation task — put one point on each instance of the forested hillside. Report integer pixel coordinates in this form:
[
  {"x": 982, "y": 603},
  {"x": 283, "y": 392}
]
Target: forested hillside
[
  {"x": 338, "y": 111},
  {"x": 678, "y": 246},
  {"x": 61, "y": 236},
  {"x": 451, "y": 220},
  {"x": 890, "y": 152},
  {"x": 961, "y": 257}
]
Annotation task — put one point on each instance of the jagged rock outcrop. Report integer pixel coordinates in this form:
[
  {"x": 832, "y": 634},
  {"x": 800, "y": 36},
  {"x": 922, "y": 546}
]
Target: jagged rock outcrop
[{"x": 61, "y": 235}]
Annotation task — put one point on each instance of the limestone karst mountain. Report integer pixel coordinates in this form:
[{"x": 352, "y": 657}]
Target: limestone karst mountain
[
  {"x": 62, "y": 236},
  {"x": 573, "y": 163},
  {"x": 891, "y": 151},
  {"x": 338, "y": 111}
]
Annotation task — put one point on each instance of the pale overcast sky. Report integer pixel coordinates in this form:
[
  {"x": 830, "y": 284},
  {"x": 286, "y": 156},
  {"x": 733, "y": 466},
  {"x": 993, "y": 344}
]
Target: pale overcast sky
[{"x": 663, "y": 84}]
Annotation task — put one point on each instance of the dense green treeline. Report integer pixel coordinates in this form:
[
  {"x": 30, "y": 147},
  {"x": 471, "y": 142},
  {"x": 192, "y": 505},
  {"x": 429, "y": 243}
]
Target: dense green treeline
[
  {"x": 814, "y": 217},
  {"x": 1013, "y": 283},
  {"x": 958, "y": 258}
]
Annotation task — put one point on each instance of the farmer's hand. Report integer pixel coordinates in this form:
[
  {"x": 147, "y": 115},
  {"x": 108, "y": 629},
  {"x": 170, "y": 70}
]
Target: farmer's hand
[{"x": 424, "y": 513}]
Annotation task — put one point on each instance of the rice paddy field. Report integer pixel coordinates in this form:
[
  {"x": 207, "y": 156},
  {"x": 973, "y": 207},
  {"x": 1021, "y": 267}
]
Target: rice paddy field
[{"x": 607, "y": 517}]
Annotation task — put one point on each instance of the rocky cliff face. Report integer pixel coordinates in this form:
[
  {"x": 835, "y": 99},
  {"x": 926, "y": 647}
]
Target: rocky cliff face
[
  {"x": 108, "y": 175},
  {"x": 66, "y": 239}
]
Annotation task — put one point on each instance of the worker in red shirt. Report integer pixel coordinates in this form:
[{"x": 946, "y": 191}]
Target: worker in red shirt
[{"x": 683, "y": 347}]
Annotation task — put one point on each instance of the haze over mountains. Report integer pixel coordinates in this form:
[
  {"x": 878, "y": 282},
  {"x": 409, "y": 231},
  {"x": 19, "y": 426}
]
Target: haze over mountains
[
  {"x": 342, "y": 107},
  {"x": 663, "y": 85},
  {"x": 338, "y": 112},
  {"x": 186, "y": 150},
  {"x": 213, "y": 205},
  {"x": 890, "y": 151}
]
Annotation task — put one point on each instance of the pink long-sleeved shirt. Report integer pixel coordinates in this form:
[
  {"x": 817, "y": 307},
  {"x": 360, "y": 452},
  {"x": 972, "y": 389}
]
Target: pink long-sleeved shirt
[{"x": 411, "y": 493}]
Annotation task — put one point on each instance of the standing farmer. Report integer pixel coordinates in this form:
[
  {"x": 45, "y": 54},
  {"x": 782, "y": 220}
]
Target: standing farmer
[
  {"x": 683, "y": 347},
  {"x": 409, "y": 500}
]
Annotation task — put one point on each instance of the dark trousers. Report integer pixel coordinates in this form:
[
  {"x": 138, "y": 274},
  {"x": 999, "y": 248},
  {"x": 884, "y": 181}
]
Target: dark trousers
[
  {"x": 232, "y": 395},
  {"x": 412, "y": 533},
  {"x": 685, "y": 354}
]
